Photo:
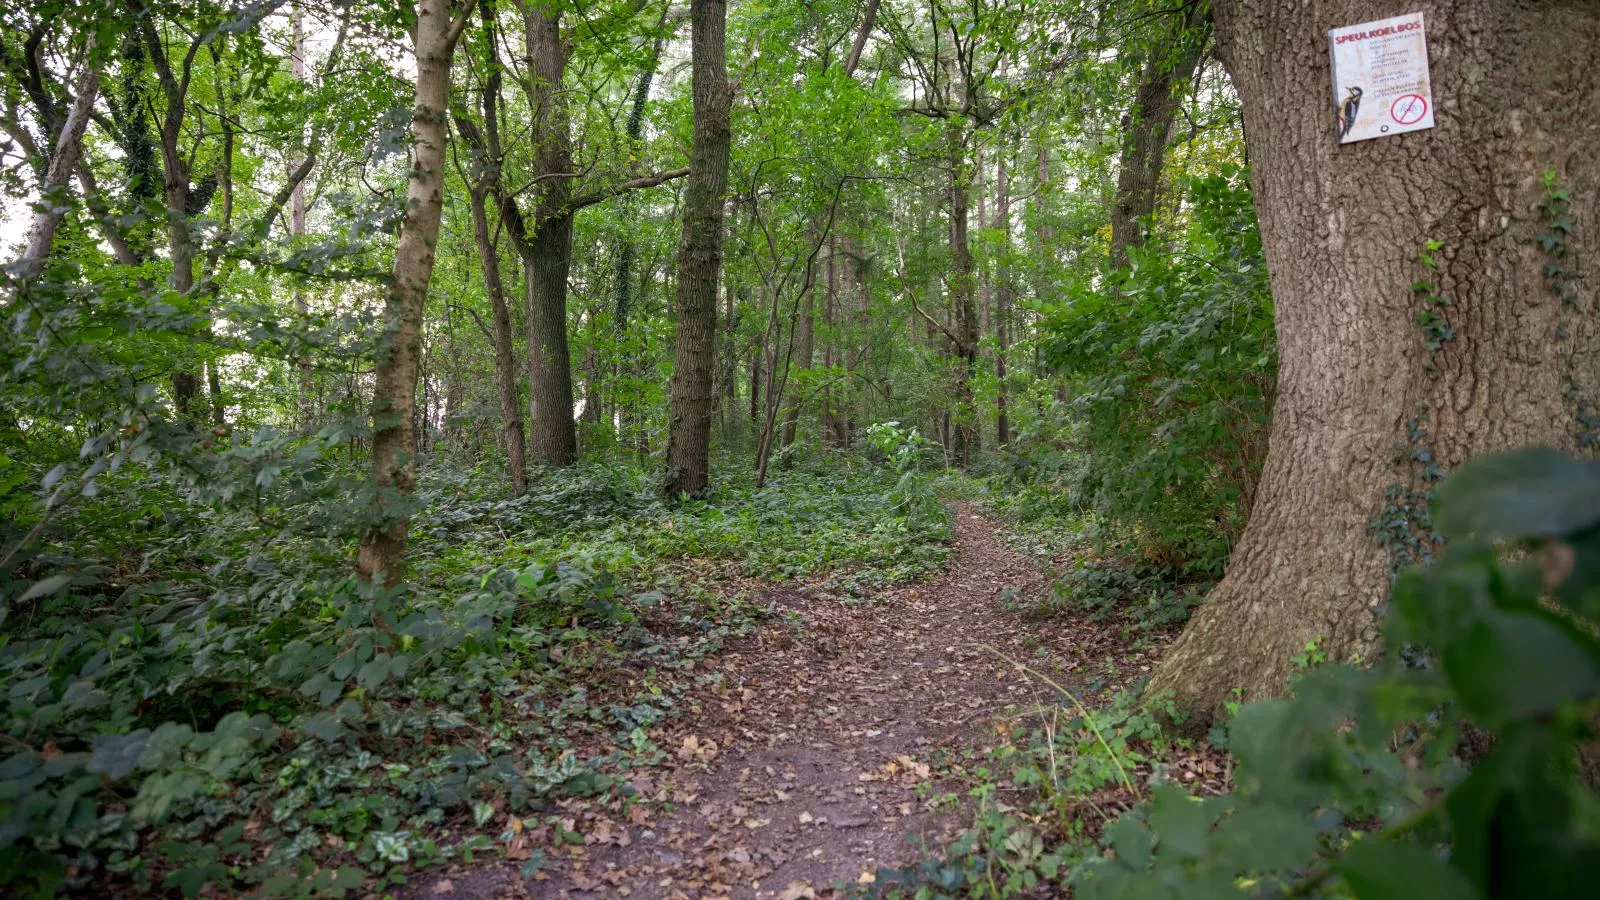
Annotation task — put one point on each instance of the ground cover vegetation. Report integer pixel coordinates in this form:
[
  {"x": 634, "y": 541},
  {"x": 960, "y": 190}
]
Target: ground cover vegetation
[{"x": 416, "y": 417}]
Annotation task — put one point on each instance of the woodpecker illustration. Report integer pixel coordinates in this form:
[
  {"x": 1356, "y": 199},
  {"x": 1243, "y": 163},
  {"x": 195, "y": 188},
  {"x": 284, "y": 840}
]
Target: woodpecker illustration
[{"x": 1347, "y": 112}]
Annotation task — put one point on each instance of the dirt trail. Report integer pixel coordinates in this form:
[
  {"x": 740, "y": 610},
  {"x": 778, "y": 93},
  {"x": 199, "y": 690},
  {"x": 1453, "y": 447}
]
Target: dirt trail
[{"x": 814, "y": 761}]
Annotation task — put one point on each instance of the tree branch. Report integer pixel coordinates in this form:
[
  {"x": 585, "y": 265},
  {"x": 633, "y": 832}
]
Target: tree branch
[{"x": 632, "y": 184}]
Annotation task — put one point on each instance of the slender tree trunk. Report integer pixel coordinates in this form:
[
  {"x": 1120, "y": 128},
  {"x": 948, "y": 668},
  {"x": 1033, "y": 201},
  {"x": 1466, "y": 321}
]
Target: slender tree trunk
[
  {"x": 63, "y": 162},
  {"x": 861, "y": 338},
  {"x": 382, "y": 554},
  {"x": 964, "y": 436},
  {"x": 505, "y": 367},
  {"x": 1002, "y": 299},
  {"x": 1147, "y": 128},
  {"x": 755, "y": 383},
  {"x": 1364, "y": 391},
  {"x": 631, "y": 416},
  {"x": 805, "y": 346},
  {"x": 297, "y": 220},
  {"x": 700, "y": 257}
]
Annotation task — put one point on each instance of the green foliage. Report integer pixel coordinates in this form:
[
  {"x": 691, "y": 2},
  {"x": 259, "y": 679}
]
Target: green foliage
[
  {"x": 1139, "y": 596},
  {"x": 1033, "y": 794},
  {"x": 1355, "y": 786},
  {"x": 1172, "y": 363},
  {"x": 196, "y": 695}
]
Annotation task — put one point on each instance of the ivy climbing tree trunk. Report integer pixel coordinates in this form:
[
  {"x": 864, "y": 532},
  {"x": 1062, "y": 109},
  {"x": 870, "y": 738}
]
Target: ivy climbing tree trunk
[
  {"x": 700, "y": 256},
  {"x": 1381, "y": 386},
  {"x": 393, "y": 464}
]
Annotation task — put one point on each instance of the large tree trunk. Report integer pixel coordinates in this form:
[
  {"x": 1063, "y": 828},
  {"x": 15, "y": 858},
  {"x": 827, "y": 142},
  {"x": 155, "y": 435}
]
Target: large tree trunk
[
  {"x": 1361, "y": 396},
  {"x": 700, "y": 257},
  {"x": 1148, "y": 127},
  {"x": 552, "y": 438},
  {"x": 382, "y": 555}
]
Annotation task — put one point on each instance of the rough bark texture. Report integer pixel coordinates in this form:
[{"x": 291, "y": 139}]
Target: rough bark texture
[
  {"x": 1517, "y": 93},
  {"x": 700, "y": 257},
  {"x": 553, "y": 438},
  {"x": 382, "y": 554},
  {"x": 1146, "y": 130},
  {"x": 547, "y": 257}
]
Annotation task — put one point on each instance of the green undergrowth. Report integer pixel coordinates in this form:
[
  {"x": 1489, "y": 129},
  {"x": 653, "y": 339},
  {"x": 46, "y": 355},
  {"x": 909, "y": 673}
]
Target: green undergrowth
[
  {"x": 1459, "y": 765},
  {"x": 197, "y": 697},
  {"x": 1099, "y": 571}
]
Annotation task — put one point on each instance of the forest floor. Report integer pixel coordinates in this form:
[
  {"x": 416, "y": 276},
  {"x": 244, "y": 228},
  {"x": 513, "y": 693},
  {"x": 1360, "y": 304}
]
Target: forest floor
[{"x": 827, "y": 750}]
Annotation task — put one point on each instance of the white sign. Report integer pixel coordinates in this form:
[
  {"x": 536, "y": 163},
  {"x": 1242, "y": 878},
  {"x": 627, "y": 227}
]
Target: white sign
[{"x": 1380, "y": 79}]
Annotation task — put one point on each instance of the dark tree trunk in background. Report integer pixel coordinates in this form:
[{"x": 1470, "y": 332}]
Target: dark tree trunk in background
[
  {"x": 1147, "y": 128},
  {"x": 297, "y": 221},
  {"x": 965, "y": 439},
  {"x": 700, "y": 257},
  {"x": 553, "y": 438},
  {"x": 1517, "y": 93},
  {"x": 175, "y": 191},
  {"x": 547, "y": 255},
  {"x": 382, "y": 554},
  {"x": 1002, "y": 299},
  {"x": 805, "y": 347}
]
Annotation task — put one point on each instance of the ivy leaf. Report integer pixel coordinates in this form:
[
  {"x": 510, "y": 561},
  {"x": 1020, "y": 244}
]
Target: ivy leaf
[{"x": 1378, "y": 869}]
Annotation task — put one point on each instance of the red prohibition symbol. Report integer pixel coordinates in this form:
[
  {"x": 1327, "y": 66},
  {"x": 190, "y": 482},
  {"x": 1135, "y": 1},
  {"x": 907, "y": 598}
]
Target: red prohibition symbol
[{"x": 1409, "y": 109}]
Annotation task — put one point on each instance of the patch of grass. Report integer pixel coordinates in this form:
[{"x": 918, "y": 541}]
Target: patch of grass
[{"x": 1041, "y": 797}]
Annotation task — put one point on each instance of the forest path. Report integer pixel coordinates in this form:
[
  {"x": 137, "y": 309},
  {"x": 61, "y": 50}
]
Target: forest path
[{"x": 816, "y": 760}]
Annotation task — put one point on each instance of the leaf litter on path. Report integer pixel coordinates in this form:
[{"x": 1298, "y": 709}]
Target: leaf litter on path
[{"x": 815, "y": 759}]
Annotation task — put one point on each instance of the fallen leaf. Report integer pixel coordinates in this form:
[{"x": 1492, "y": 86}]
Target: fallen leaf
[{"x": 797, "y": 890}]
